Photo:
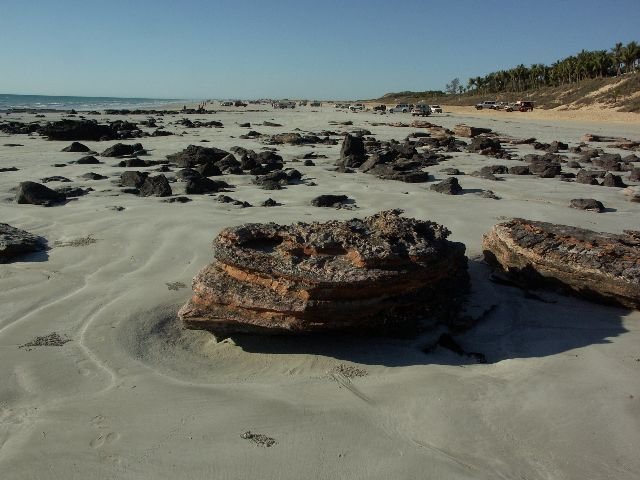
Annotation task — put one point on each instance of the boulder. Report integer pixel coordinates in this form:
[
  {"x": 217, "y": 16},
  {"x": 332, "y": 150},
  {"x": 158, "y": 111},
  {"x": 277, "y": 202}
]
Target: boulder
[
  {"x": 590, "y": 204},
  {"x": 381, "y": 274},
  {"x": 634, "y": 176},
  {"x": 588, "y": 178},
  {"x": 519, "y": 170},
  {"x": 598, "y": 266},
  {"x": 157, "y": 186},
  {"x": 448, "y": 186},
  {"x": 37, "y": 194},
  {"x": 15, "y": 242},
  {"x": 352, "y": 153}
]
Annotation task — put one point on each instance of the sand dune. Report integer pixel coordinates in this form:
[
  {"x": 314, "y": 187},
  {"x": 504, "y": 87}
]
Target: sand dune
[{"x": 132, "y": 395}]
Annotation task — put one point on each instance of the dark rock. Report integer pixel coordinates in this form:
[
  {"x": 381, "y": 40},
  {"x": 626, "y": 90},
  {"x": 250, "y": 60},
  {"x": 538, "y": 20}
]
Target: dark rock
[
  {"x": 93, "y": 176},
  {"x": 587, "y": 204},
  {"x": 208, "y": 170},
  {"x": 309, "y": 163},
  {"x": 202, "y": 185},
  {"x": 71, "y": 192},
  {"x": 598, "y": 266},
  {"x": 197, "y": 155},
  {"x": 573, "y": 164},
  {"x": 588, "y": 178},
  {"x": 382, "y": 274},
  {"x": 121, "y": 150},
  {"x": 634, "y": 176},
  {"x": 611, "y": 180},
  {"x": 329, "y": 200},
  {"x": 177, "y": 200},
  {"x": 269, "y": 202},
  {"x": 352, "y": 153},
  {"x": 451, "y": 171},
  {"x": 88, "y": 160},
  {"x": 8, "y": 169},
  {"x": 15, "y": 242},
  {"x": 77, "y": 130},
  {"x": 37, "y": 194},
  {"x": 157, "y": 186},
  {"x": 132, "y": 178},
  {"x": 519, "y": 170},
  {"x": 132, "y": 163},
  {"x": 448, "y": 186},
  {"x": 76, "y": 147},
  {"x": 55, "y": 178}
]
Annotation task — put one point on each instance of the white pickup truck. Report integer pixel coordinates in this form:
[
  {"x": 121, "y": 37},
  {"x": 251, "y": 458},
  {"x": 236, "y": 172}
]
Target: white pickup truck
[{"x": 486, "y": 104}]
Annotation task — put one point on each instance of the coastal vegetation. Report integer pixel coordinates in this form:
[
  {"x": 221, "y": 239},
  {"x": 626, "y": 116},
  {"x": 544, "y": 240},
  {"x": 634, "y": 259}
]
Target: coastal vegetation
[{"x": 610, "y": 77}]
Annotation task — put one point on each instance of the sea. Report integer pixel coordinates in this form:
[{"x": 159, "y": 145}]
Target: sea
[{"x": 48, "y": 102}]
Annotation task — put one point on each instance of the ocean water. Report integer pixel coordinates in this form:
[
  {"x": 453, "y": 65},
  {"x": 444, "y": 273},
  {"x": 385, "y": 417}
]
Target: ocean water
[{"x": 8, "y": 101}]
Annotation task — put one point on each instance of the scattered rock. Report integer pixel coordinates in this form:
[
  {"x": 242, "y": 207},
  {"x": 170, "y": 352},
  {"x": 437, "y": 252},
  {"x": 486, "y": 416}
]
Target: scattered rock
[
  {"x": 329, "y": 200},
  {"x": 611, "y": 180},
  {"x": 15, "y": 242},
  {"x": 352, "y": 153},
  {"x": 52, "y": 340},
  {"x": 132, "y": 178},
  {"x": 88, "y": 160},
  {"x": 76, "y": 147},
  {"x": 448, "y": 186},
  {"x": 269, "y": 202},
  {"x": 157, "y": 186},
  {"x": 93, "y": 176},
  {"x": 462, "y": 130},
  {"x": 121, "y": 150},
  {"x": 590, "y": 204},
  {"x": 179, "y": 199},
  {"x": 598, "y": 266},
  {"x": 37, "y": 194}
]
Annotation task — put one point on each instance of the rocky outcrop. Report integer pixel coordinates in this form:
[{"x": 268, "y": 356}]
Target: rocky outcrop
[
  {"x": 597, "y": 266},
  {"x": 462, "y": 130},
  {"x": 15, "y": 242},
  {"x": 157, "y": 186},
  {"x": 196, "y": 155},
  {"x": 352, "y": 153},
  {"x": 590, "y": 204},
  {"x": 122, "y": 149},
  {"x": 380, "y": 274},
  {"x": 77, "y": 130}
]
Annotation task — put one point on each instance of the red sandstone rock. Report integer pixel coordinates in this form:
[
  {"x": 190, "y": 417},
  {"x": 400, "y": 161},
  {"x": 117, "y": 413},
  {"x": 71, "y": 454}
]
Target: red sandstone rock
[
  {"x": 373, "y": 275},
  {"x": 598, "y": 266}
]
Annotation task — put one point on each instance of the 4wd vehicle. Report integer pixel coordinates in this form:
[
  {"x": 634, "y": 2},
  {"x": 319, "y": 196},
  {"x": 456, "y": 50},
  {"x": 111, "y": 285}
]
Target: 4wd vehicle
[
  {"x": 524, "y": 106},
  {"x": 380, "y": 108},
  {"x": 226, "y": 104},
  {"x": 315, "y": 103},
  {"x": 486, "y": 104},
  {"x": 400, "y": 108},
  {"x": 356, "y": 107},
  {"x": 436, "y": 109},
  {"x": 239, "y": 103},
  {"x": 421, "y": 110}
]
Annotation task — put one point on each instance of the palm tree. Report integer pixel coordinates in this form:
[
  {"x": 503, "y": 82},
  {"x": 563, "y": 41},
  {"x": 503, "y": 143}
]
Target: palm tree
[
  {"x": 630, "y": 54},
  {"x": 616, "y": 53}
]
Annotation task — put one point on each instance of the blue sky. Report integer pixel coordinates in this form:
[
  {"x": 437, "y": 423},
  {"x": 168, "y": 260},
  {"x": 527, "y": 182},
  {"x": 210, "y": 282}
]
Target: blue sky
[{"x": 286, "y": 48}]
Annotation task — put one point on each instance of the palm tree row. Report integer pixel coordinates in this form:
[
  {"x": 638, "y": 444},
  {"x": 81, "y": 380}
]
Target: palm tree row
[{"x": 586, "y": 64}]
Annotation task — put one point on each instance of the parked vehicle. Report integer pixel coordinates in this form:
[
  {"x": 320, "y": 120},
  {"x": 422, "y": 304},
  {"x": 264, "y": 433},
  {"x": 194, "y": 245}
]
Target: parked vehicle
[
  {"x": 436, "y": 109},
  {"x": 486, "y": 104},
  {"x": 239, "y": 103},
  {"x": 357, "y": 107},
  {"x": 284, "y": 104},
  {"x": 226, "y": 104},
  {"x": 421, "y": 110},
  {"x": 315, "y": 103},
  {"x": 525, "y": 106},
  {"x": 401, "y": 108},
  {"x": 380, "y": 108}
]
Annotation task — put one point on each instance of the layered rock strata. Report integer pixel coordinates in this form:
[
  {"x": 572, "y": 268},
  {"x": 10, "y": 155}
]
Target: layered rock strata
[
  {"x": 597, "y": 266},
  {"x": 380, "y": 274}
]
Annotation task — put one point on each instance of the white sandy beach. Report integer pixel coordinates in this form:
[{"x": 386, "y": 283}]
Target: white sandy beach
[{"x": 133, "y": 396}]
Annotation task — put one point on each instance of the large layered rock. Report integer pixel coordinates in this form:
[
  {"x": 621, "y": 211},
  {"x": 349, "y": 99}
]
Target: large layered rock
[
  {"x": 380, "y": 274},
  {"x": 598, "y": 266},
  {"x": 38, "y": 194},
  {"x": 352, "y": 153}
]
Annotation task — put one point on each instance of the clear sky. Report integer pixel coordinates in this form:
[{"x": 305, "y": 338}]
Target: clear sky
[{"x": 289, "y": 48}]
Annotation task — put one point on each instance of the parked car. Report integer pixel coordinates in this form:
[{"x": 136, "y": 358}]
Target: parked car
[
  {"x": 315, "y": 103},
  {"x": 436, "y": 109},
  {"x": 380, "y": 108},
  {"x": 421, "y": 110},
  {"x": 239, "y": 103},
  {"x": 356, "y": 107},
  {"x": 226, "y": 104},
  {"x": 401, "y": 108},
  {"x": 486, "y": 104}
]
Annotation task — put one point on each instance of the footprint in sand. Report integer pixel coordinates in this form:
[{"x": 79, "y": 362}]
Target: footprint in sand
[{"x": 102, "y": 440}]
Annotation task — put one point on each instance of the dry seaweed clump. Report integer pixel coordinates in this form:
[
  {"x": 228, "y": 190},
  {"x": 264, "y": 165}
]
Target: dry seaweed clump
[
  {"x": 52, "y": 340},
  {"x": 378, "y": 274},
  {"x": 259, "y": 439}
]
